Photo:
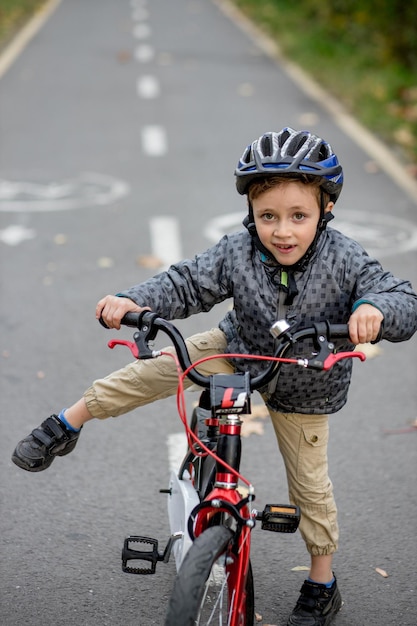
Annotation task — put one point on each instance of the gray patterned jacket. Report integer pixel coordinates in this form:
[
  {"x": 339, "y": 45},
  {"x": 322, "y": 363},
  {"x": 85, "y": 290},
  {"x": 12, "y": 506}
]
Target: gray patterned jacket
[{"x": 339, "y": 274}]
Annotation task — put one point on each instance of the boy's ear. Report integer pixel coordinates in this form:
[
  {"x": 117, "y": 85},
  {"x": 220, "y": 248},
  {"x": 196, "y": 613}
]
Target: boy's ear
[{"x": 329, "y": 207}]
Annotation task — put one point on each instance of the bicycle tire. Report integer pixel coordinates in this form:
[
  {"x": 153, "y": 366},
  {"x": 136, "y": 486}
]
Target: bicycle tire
[{"x": 200, "y": 587}]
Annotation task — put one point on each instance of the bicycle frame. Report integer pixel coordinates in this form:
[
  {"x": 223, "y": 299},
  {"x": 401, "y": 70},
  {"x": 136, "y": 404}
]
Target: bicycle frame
[
  {"x": 226, "y": 499},
  {"x": 199, "y": 504}
]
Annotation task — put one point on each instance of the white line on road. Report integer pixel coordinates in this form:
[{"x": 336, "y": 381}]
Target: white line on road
[
  {"x": 142, "y": 31},
  {"x": 15, "y": 234},
  {"x": 177, "y": 447},
  {"x": 148, "y": 87},
  {"x": 165, "y": 239},
  {"x": 144, "y": 53},
  {"x": 154, "y": 141}
]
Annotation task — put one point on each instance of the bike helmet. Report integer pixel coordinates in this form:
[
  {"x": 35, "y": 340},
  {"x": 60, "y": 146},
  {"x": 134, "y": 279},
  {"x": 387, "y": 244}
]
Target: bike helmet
[{"x": 290, "y": 152}]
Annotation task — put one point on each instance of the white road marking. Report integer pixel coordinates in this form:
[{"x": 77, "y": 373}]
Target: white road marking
[
  {"x": 165, "y": 239},
  {"x": 177, "y": 447},
  {"x": 144, "y": 53},
  {"x": 148, "y": 87},
  {"x": 141, "y": 31},
  {"x": 15, "y": 234},
  {"x": 87, "y": 189},
  {"x": 154, "y": 140}
]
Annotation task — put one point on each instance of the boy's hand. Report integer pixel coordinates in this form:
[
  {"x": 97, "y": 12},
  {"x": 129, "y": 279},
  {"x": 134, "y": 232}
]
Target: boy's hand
[
  {"x": 113, "y": 308},
  {"x": 365, "y": 324}
]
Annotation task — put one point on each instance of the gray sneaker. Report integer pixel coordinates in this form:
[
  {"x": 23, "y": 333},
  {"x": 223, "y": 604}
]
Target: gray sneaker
[{"x": 37, "y": 451}]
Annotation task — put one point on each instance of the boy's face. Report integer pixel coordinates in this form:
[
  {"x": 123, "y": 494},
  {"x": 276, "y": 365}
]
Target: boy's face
[{"x": 286, "y": 219}]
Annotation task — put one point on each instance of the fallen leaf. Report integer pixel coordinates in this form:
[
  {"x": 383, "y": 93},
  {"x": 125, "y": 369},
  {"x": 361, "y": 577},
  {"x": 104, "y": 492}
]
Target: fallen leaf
[
  {"x": 371, "y": 167},
  {"x": 245, "y": 90},
  {"x": 105, "y": 262},
  {"x": 300, "y": 568},
  {"x": 123, "y": 56},
  {"x": 369, "y": 349},
  {"x": 60, "y": 239},
  {"x": 252, "y": 428},
  {"x": 308, "y": 119},
  {"x": 382, "y": 572},
  {"x": 149, "y": 261},
  {"x": 243, "y": 491},
  {"x": 258, "y": 618},
  {"x": 259, "y": 410}
]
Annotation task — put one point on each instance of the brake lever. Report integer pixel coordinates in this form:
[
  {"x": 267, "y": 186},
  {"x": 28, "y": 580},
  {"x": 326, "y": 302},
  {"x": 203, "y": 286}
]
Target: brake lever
[
  {"x": 334, "y": 358},
  {"x": 140, "y": 348},
  {"x": 133, "y": 347}
]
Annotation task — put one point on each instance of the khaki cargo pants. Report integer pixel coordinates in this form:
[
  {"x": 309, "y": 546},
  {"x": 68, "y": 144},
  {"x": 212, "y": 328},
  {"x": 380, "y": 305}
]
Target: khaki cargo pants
[{"x": 302, "y": 439}]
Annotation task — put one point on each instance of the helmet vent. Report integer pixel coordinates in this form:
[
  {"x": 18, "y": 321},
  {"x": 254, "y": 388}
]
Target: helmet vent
[
  {"x": 282, "y": 137},
  {"x": 266, "y": 145},
  {"x": 296, "y": 146},
  {"x": 324, "y": 152}
]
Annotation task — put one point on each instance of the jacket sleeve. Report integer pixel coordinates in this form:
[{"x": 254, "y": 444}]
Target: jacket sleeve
[
  {"x": 394, "y": 297},
  {"x": 189, "y": 287}
]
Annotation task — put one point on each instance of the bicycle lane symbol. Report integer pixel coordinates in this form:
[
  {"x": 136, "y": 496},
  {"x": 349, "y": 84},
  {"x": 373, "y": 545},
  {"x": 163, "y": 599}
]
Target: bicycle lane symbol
[
  {"x": 88, "y": 189},
  {"x": 380, "y": 235}
]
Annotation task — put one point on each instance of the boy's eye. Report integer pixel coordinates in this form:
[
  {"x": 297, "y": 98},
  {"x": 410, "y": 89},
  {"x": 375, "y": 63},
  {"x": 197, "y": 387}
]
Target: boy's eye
[
  {"x": 298, "y": 217},
  {"x": 268, "y": 216}
]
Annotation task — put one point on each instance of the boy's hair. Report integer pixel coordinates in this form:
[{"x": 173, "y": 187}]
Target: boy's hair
[{"x": 261, "y": 185}]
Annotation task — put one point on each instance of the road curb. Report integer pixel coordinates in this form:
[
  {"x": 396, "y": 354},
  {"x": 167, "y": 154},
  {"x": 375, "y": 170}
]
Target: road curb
[
  {"x": 24, "y": 36},
  {"x": 373, "y": 147}
]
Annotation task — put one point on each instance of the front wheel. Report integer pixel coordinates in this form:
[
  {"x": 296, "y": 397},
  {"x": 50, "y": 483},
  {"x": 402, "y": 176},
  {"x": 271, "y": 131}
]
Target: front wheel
[{"x": 204, "y": 591}]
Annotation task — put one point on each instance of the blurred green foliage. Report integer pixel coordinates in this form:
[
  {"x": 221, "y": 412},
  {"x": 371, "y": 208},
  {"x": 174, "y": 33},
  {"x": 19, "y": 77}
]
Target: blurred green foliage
[
  {"x": 13, "y": 14},
  {"x": 364, "y": 53}
]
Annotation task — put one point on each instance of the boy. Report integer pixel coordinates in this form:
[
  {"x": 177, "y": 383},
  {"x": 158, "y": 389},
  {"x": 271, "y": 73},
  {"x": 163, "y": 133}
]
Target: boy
[{"x": 286, "y": 264}]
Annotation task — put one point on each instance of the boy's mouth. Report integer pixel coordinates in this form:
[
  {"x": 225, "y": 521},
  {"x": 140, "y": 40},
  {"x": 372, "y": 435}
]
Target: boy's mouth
[{"x": 284, "y": 248}]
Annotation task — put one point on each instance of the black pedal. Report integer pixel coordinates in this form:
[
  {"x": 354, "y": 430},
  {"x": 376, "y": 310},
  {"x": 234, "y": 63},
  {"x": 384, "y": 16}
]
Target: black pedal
[
  {"x": 279, "y": 518},
  {"x": 149, "y": 556}
]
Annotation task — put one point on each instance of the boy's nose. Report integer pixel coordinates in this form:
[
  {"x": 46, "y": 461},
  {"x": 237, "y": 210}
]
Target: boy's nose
[{"x": 282, "y": 229}]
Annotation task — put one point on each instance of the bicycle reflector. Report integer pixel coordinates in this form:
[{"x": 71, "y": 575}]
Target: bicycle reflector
[
  {"x": 280, "y": 518},
  {"x": 230, "y": 394}
]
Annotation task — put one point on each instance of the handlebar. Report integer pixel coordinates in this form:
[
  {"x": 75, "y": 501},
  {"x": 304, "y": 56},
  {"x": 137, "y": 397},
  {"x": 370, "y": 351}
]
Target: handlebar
[{"x": 148, "y": 324}]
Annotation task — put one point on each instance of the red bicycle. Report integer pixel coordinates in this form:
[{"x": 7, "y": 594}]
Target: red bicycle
[{"x": 211, "y": 518}]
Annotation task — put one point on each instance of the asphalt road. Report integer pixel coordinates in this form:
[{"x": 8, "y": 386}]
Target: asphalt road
[{"x": 115, "y": 115}]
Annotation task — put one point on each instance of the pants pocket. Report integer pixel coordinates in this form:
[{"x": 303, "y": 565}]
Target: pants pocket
[{"x": 312, "y": 459}]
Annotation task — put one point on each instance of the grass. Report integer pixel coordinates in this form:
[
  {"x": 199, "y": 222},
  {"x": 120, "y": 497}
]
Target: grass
[
  {"x": 13, "y": 15},
  {"x": 351, "y": 61}
]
